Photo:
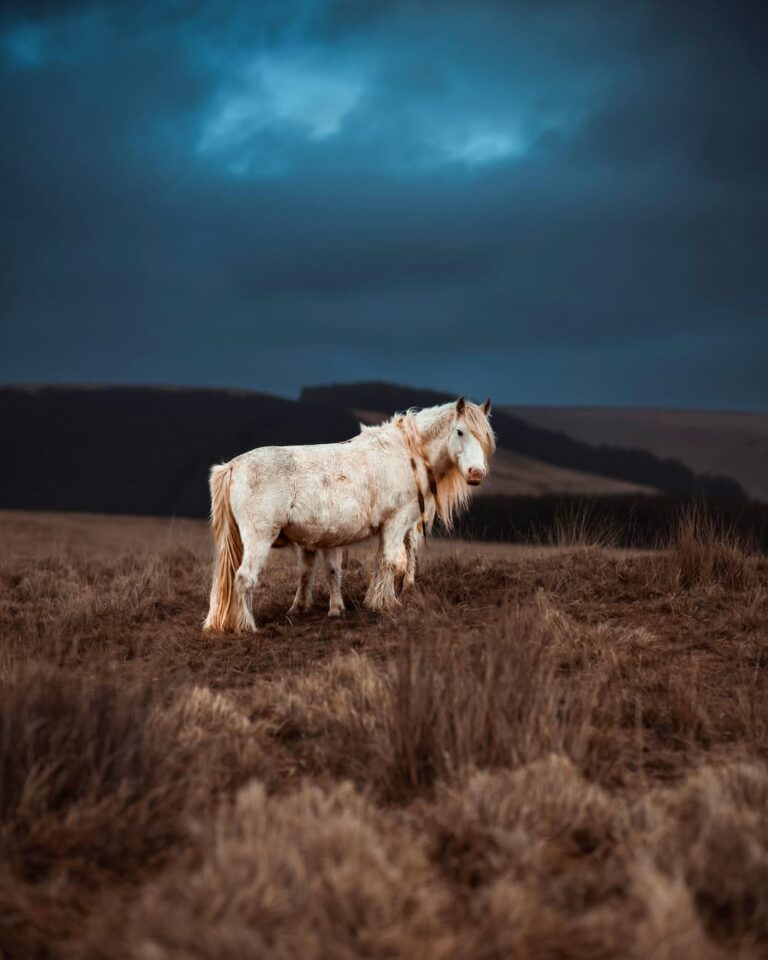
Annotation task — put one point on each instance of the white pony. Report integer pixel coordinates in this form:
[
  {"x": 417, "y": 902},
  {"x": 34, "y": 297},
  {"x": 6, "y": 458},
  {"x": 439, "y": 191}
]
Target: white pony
[{"x": 388, "y": 480}]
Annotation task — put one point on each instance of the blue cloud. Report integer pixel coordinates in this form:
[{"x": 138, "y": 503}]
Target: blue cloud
[{"x": 26, "y": 45}]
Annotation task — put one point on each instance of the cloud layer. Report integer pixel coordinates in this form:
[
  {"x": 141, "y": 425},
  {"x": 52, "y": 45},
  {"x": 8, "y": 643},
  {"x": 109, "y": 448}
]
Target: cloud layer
[{"x": 549, "y": 202}]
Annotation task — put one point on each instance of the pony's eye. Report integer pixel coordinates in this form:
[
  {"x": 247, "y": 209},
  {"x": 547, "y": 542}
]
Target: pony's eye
[{"x": 460, "y": 433}]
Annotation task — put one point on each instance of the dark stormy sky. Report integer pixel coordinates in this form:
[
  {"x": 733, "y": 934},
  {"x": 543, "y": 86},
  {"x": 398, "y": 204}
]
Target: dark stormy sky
[{"x": 550, "y": 202}]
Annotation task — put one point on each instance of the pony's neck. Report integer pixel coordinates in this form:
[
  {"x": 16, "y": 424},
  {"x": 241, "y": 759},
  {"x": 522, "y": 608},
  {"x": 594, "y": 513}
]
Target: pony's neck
[
  {"x": 433, "y": 425},
  {"x": 451, "y": 492}
]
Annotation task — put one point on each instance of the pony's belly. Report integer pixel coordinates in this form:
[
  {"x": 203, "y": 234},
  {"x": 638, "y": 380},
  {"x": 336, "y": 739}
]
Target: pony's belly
[
  {"x": 318, "y": 537},
  {"x": 337, "y": 504},
  {"x": 325, "y": 523}
]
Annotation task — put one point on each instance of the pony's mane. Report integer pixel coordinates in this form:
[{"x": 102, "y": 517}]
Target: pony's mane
[
  {"x": 423, "y": 425},
  {"x": 452, "y": 496}
]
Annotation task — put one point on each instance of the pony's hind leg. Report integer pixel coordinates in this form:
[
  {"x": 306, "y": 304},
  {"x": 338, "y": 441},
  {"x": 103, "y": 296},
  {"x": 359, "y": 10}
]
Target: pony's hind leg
[
  {"x": 333, "y": 562},
  {"x": 307, "y": 564},
  {"x": 254, "y": 556}
]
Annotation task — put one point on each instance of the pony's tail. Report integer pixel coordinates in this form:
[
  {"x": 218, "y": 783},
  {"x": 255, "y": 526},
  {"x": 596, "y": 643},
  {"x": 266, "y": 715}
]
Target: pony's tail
[{"x": 229, "y": 550}]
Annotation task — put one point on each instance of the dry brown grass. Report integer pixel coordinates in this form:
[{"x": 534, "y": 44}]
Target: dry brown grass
[
  {"x": 544, "y": 754},
  {"x": 704, "y": 553}
]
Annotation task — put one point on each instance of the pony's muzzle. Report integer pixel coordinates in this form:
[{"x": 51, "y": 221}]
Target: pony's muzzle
[{"x": 475, "y": 476}]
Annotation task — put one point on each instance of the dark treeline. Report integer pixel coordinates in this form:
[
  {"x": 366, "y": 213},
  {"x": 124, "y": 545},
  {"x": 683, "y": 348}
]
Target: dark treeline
[
  {"x": 550, "y": 446},
  {"x": 140, "y": 450},
  {"x": 639, "y": 522}
]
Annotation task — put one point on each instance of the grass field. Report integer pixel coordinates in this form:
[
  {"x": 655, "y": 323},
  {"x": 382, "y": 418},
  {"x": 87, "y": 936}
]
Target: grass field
[{"x": 546, "y": 753}]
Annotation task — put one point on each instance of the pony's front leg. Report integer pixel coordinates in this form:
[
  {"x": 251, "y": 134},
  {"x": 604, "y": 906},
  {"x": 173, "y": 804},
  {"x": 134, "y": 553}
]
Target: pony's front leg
[
  {"x": 412, "y": 540},
  {"x": 333, "y": 561},
  {"x": 391, "y": 563},
  {"x": 303, "y": 598}
]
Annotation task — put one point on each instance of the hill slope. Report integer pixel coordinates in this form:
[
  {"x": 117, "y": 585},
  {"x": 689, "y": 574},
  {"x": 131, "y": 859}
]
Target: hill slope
[{"x": 735, "y": 444}]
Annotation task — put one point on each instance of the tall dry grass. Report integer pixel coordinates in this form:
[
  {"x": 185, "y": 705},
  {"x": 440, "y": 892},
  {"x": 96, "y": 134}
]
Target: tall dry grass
[
  {"x": 557, "y": 755},
  {"x": 581, "y": 526},
  {"x": 704, "y": 553},
  {"x": 443, "y": 703}
]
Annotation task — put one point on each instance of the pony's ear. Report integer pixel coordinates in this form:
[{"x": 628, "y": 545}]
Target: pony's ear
[
  {"x": 487, "y": 406},
  {"x": 460, "y": 404}
]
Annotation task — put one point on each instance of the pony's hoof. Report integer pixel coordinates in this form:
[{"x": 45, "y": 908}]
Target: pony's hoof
[
  {"x": 383, "y": 606},
  {"x": 298, "y": 610},
  {"x": 336, "y": 611}
]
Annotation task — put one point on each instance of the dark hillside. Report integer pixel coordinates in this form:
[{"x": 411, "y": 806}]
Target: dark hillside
[
  {"x": 549, "y": 446},
  {"x": 140, "y": 450}
]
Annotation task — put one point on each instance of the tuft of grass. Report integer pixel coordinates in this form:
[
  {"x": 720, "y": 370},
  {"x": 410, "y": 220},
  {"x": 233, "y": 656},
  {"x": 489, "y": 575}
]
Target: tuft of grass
[
  {"x": 579, "y": 526},
  {"x": 494, "y": 700},
  {"x": 321, "y": 873},
  {"x": 97, "y": 782},
  {"x": 703, "y": 554}
]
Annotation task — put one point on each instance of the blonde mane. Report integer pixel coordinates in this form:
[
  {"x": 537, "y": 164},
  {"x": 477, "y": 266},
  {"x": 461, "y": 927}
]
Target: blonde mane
[
  {"x": 452, "y": 492},
  {"x": 452, "y": 497}
]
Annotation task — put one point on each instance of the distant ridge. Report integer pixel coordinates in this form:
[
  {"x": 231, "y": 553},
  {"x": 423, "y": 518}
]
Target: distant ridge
[{"x": 550, "y": 446}]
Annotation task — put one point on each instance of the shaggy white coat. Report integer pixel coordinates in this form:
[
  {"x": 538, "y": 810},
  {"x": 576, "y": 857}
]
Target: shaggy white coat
[{"x": 321, "y": 497}]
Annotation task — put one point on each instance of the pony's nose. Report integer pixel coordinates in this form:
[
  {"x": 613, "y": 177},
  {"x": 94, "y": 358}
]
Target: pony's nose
[{"x": 475, "y": 476}]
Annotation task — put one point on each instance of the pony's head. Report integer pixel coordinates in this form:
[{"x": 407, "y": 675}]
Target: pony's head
[{"x": 471, "y": 441}]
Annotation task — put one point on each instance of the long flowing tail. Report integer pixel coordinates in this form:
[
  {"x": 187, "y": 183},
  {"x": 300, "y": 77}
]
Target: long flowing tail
[{"x": 229, "y": 551}]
